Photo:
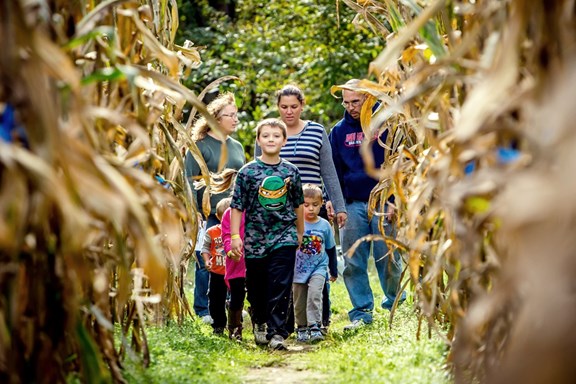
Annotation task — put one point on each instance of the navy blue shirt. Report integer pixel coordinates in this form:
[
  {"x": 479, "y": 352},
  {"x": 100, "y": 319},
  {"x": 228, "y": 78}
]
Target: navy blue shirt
[{"x": 345, "y": 139}]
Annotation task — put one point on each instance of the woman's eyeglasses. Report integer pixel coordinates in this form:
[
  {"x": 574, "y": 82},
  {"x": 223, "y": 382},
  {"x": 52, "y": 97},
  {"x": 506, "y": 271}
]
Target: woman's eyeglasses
[{"x": 231, "y": 115}]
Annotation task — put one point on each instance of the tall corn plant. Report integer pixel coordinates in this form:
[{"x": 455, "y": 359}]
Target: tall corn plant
[
  {"x": 88, "y": 236},
  {"x": 487, "y": 238}
]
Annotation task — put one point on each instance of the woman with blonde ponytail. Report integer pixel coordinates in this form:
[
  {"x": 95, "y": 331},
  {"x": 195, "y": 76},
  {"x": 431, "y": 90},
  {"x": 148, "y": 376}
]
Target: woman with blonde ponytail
[{"x": 210, "y": 144}]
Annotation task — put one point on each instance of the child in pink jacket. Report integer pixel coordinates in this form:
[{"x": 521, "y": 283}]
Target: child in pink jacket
[{"x": 235, "y": 277}]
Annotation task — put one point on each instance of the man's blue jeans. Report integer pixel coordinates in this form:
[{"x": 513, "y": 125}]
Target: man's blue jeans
[
  {"x": 356, "y": 265},
  {"x": 201, "y": 280},
  {"x": 202, "y": 277}
]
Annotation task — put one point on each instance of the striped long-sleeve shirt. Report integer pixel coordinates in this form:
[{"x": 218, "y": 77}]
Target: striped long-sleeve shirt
[{"x": 310, "y": 151}]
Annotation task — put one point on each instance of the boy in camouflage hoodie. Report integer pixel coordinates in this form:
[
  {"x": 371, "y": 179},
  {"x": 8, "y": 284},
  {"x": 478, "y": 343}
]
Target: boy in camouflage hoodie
[{"x": 269, "y": 191}]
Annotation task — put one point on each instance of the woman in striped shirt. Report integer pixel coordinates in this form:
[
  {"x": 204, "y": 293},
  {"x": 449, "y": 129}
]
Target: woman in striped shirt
[{"x": 308, "y": 148}]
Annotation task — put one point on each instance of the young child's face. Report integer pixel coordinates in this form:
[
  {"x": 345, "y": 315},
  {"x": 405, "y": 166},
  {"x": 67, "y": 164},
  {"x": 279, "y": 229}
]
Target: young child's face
[
  {"x": 312, "y": 207},
  {"x": 271, "y": 140}
]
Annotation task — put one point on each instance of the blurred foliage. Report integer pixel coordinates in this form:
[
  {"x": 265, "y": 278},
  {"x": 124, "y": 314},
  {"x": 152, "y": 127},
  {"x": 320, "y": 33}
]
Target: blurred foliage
[
  {"x": 273, "y": 43},
  {"x": 89, "y": 238},
  {"x": 96, "y": 214},
  {"x": 475, "y": 98}
]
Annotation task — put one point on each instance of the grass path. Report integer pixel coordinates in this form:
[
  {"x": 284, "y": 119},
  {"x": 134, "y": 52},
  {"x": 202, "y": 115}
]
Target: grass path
[{"x": 189, "y": 353}]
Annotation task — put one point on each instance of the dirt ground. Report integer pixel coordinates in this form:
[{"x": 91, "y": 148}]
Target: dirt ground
[{"x": 291, "y": 369}]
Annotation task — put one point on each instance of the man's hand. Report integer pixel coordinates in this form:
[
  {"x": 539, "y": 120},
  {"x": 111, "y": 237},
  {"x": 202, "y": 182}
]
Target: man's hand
[
  {"x": 390, "y": 212},
  {"x": 341, "y": 218}
]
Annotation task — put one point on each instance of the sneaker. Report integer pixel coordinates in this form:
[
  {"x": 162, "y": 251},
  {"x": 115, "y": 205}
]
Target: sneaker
[
  {"x": 387, "y": 304},
  {"x": 316, "y": 335},
  {"x": 218, "y": 331},
  {"x": 236, "y": 334},
  {"x": 260, "y": 334},
  {"x": 324, "y": 330},
  {"x": 302, "y": 335},
  {"x": 277, "y": 343},
  {"x": 354, "y": 325},
  {"x": 207, "y": 319}
]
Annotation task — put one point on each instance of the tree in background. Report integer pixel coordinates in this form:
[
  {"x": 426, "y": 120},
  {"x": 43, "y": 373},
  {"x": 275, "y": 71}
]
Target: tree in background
[{"x": 270, "y": 44}]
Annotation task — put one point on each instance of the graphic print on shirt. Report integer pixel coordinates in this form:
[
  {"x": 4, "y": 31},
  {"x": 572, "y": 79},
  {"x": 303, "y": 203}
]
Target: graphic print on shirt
[
  {"x": 311, "y": 245},
  {"x": 272, "y": 193},
  {"x": 310, "y": 254},
  {"x": 353, "y": 139},
  {"x": 220, "y": 260}
]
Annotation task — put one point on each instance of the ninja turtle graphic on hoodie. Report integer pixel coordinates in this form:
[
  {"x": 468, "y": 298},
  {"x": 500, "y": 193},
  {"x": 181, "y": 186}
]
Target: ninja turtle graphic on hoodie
[
  {"x": 272, "y": 192},
  {"x": 269, "y": 195}
]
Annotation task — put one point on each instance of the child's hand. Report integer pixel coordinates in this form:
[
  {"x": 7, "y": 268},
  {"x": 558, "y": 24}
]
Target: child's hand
[
  {"x": 333, "y": 278},
  {"x": 234, "y": 256},
  {"x": 236, "y": 246},
  {"x": 208, "y": 265}
]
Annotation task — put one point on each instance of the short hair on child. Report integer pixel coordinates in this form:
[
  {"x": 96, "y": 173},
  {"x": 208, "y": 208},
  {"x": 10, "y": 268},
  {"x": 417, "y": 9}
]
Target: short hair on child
[
  {"x": 222, "y": 206},
  {"x": 273, "y": 122},
  {"x": 312, "y": 191}
]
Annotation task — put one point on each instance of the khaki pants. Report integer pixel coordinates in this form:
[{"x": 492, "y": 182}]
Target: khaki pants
[{"x": 308, "y": 301}]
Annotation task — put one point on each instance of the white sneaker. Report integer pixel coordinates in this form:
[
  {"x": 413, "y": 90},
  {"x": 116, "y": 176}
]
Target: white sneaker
[
  {"x": 354, "y": 325},
  {"x": 207, "y": 319},
  {"x": 260, "y": 334},
  {"x": 277, "y": 343}
]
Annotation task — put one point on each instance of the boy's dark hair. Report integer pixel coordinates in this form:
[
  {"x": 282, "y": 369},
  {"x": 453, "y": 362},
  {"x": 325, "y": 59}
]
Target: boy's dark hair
[
  {"x": 312, "y": 191},
  {"x": 290, "y": 90},
  {"x": 272, "y": 123}
]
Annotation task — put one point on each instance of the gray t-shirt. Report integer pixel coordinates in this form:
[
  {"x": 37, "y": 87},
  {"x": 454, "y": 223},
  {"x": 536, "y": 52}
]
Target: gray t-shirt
[{"x": 211, "y": 149}]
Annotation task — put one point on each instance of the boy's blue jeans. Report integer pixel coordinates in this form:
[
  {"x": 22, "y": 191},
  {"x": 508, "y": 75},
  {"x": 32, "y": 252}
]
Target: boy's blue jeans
[{"x": 356, "y": 265}]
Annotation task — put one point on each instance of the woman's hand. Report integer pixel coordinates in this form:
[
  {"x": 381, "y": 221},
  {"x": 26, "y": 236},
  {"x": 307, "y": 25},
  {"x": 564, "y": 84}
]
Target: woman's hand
[{"x": 330, "y": 210}]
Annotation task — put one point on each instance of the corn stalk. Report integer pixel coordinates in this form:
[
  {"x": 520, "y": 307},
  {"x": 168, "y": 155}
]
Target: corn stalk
[
  {"x": 88, "y": 236},
  {"x": 478, "y": 107}
]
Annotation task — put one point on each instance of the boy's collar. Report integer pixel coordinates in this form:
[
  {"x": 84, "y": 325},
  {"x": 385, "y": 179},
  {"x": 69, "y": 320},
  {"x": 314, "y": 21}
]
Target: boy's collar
[{"x": 259, "y": 159}]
